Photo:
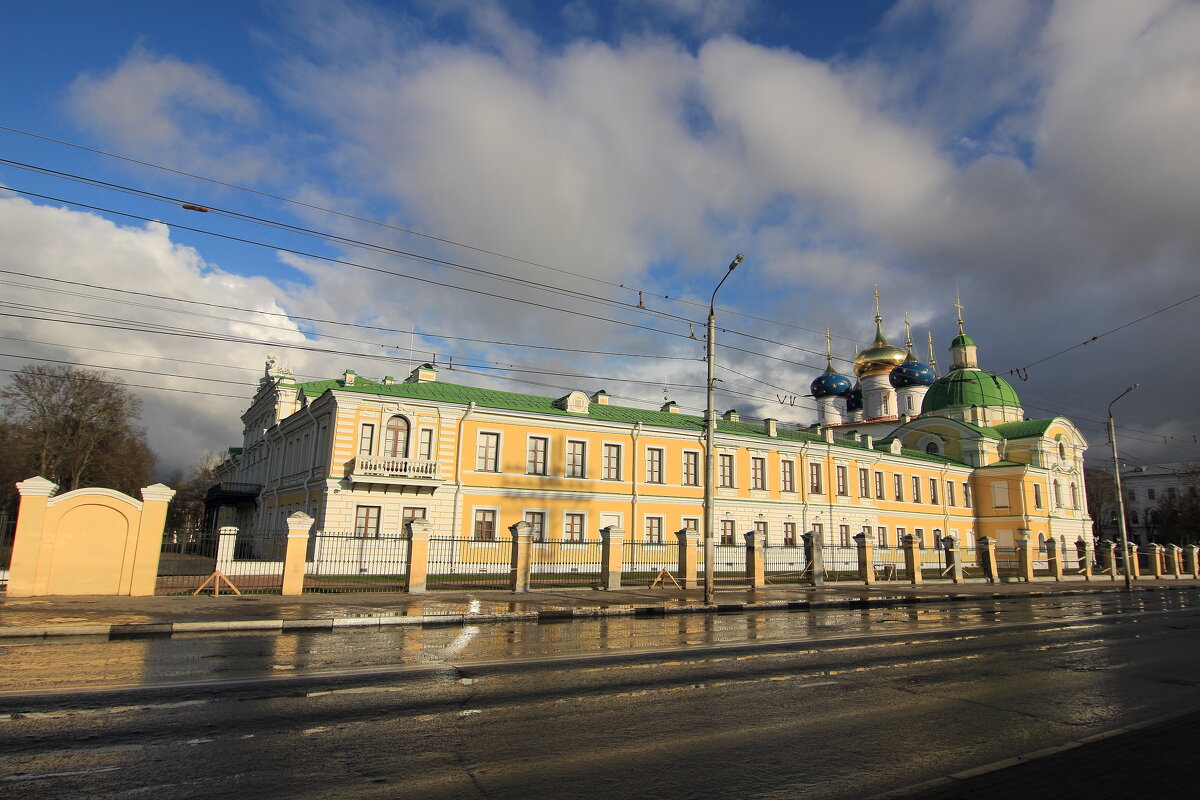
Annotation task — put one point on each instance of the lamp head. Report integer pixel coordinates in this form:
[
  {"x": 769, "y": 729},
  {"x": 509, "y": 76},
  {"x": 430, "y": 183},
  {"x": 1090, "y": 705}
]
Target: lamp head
[{"x": 737, "y": 260}]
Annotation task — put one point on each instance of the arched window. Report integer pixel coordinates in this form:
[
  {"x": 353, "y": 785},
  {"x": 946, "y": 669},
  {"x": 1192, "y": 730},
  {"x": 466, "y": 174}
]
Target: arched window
[
  {"x": 933, "y": 449},
  {"x": 1062, "y": 451},
  {"x": 1042, "y": 542},
  {"x": 395, "y": 438}
]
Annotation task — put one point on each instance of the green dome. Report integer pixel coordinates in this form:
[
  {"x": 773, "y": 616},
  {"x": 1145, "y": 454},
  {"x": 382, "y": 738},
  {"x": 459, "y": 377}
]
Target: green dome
[
  {"x": 962, "y": 340},
  {"x": 964, "y": 388}
]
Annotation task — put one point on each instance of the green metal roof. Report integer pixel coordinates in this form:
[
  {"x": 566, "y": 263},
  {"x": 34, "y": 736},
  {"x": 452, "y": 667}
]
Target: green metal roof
[
  {"x": 1023, "y": 429},
  {"x": 964, "y": 388},
  {"x": 962, "y": 340}
]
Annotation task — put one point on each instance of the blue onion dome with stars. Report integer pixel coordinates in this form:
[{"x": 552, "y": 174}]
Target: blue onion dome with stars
[
  {"x": 830, "y": 383},
  {"x": 912, "y": 373},
  {"x": 854, "y": 398}
]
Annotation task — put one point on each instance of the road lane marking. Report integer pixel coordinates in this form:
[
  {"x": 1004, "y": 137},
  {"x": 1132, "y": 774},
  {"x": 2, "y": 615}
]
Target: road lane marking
[{"x": 18, "y": 778}]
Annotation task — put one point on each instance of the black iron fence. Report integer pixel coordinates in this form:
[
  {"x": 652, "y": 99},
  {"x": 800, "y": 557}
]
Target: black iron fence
[
  {"x": 456, "y": 563},
  {"x": 565, "y": 564},
  {"x": 342, "y": 561},
  {"x": 786, "y": 564},
  {"x": 644, "y": 563},
  {"x": 193, "y": 559}
]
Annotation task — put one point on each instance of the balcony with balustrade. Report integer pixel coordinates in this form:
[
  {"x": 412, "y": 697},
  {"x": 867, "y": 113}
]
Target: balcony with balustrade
[{"x": 419, "y": 474}]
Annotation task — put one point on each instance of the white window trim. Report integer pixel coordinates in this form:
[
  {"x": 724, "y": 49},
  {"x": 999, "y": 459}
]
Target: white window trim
[
  {"x": 499, "y": 451},
  {"x": 699, "y": 468},
  {"x": 621, "y": 461},
  {"x": 567, "y": 458},
  {"x": 529, "y": 437}
]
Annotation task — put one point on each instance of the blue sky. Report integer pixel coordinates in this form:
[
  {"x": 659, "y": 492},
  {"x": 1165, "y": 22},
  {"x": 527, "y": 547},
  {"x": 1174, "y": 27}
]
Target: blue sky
[{"x": 579, "y": 158}]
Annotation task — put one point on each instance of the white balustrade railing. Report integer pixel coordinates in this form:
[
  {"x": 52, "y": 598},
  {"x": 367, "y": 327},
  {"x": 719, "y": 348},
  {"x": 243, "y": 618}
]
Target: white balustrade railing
[{"x": 386, "y": 467}]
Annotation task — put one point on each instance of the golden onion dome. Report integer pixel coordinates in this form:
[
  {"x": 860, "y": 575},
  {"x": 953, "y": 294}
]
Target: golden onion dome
[{"x": 880, "y": 356}]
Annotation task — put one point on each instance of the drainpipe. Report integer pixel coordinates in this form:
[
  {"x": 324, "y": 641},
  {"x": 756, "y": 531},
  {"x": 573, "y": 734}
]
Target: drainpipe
[
  {"x": 458, "y": 456},
  {"x": 633, "y": 478}
]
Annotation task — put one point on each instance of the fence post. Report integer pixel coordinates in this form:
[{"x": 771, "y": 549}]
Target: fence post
[
  {"x": 1108, "y": 558},
  {"x": 522, "y": 536},
  {"x": 23, "y": 578},
  {"x": 298, "y": 525},
  {"x": 1173, "y": 553},
  {"x": 226, "y": 547},
  {"x": 912, "y": 558},
  {"x": 689, "y": 539},
  {"x": 866, "y": 557},
  {"x": 1084, "y": 548},
  {"x": 1025, "y": 559},
  {"x": 814, "y": 543},
  {"x": 418, "y": 555},
  {"x": 1192, "y": 554},
  {"x": 988, "y": 556},
  {"x": 1156, "y": 562},
  {"x": 954, "y": 563},
  {"x": 612, "y": 544},
  {"x": 756, "y": 569},
  {"x": 1131, "y": 561},
  {"x": 1053, "y": 560}
]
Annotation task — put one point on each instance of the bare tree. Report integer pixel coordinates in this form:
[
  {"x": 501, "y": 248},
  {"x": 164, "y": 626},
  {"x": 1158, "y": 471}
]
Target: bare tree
[
  {"x": 187, "y": 509},
  {"x": 75, "y": 427}
]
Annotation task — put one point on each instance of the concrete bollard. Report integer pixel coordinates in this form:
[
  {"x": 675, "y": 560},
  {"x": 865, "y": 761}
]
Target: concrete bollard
[
  {"x": 1025, "y": 548},
  {"x": 418, "y": 555},
  {"x": 814, "y": 543},
  {"x": 1132, "y": 567},
  {"x": 689, "y": 560},
  {"x": 1174, "y": 557},
  {"x": 954, "y": 564}
]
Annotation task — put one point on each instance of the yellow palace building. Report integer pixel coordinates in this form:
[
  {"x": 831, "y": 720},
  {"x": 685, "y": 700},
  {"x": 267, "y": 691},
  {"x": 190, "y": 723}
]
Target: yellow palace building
[{"x": 899, "y": 451}]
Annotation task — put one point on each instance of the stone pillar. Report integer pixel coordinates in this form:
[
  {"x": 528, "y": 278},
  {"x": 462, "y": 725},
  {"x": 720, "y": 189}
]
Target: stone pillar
[
  {"x": 689, "y": 572},
  {"x": 418, "y": 555},
  {"x": 866, "y": 557},
  {"x": 1191, "y": 554},
  {"x": 987, "y": 558},
  {"x": 1131, "y": 561},
  {"x": 1025, "y": 548},
  {"x": 1156, "y": 560},
  {"x": 298, "y": 524},
  {"x": 1174, "y": 552},
  {"x": 1108, "y": 558},
  {"x": 522, "y": 554},
  {"x": 912, "y": 558},
  {"x": 612, "y": 543},
  {"x": 756, "y": 553},
  {"x": 27, "y": 538},
  {"x": 148, "y": 546},
  {"x": 1053, "y": 559},
  {"x": 226, "y": 547},
  {"x": 954, "y": 563},
  {"x": 814, "y": 543},
  {"x": 1084, "y": 548}
]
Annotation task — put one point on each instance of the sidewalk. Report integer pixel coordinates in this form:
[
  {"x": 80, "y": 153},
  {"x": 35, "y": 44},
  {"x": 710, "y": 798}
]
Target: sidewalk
[{"x": 156, "y": 616}]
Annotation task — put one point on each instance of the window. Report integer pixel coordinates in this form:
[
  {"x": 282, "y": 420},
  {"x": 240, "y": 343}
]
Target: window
[
  {"x": 842, "y": 488},
  {"x": 535, "y": 455},
  {"x": 654, "y": 530},
  {"x": 1133, "y": 516},
  {"x": 654, "y": 465},
  {"x": 878, "y": 485},
  {"x": 1000, "y": 494},
  {"x": 409, "y": 515},
  {"x": 950, "y": 493},
  {"x": 1133, "y": 494},
  {"x": 787, "y": 476},
  {"x": 1151, "y": 495},
  {"x": 933, "y": 487},
  {"x": 900, "y": 533},
  {"x": 758, "y": 473},
  {"x": 760, "y": 531},
  {"x": 898, "y": 488},
  {"x": 909, "y": 402},
  {"x": 726, "y": 531},
  {"x": 366, "y": 521},
  {"x": 485, "y": 525},
  {"x": 916, "y": 487},
  {"x": 919, "y": 535},
  {"x": 967, "y": 494},
  {"x": 573, "y": 530},
  {"x": 881, "y": 537},
  {"x": 789, "y": 534},
  {"x": 844, "y": 535},
  {"x": 1037, "y": 495},
  {"x": 691, "y": 523},
  {"x": 937, "y": 538},
  {"x": 883, "y": 406},
  {"x": 487, "y": 457},
  {"x": 1062, "y": 451},
  {"x": 864, "y": 482},
  {"x": 576, "y": 458},
  {"x": 425, "y": 445},
  {"x": 726, "y": 463},
  {"x": 537, "y": 525},
  {"x": 933, "y": 449},
  {"x": 611, "y": 466},
  {"x": 814, "y": 478},
  {"x": 366, "y": 439},
  {"x": 395, "y": 438},
  {"x": 818, "y": 529},
  {"x": 1171, "y": 493},
  {"x": 691, "y": 468}
]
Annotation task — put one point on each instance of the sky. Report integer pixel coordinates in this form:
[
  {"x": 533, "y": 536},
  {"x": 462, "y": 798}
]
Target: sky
[{"x": 541, "y": 196}]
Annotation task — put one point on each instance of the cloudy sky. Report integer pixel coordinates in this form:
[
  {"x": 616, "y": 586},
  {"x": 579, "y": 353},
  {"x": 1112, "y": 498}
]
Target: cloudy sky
[{"x": 543, "y": 195}]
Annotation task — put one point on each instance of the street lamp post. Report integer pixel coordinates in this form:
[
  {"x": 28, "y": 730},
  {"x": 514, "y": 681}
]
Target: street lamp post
[
  {"x": 1112, "y": 439},
  {"x": 710, "y": 433}
]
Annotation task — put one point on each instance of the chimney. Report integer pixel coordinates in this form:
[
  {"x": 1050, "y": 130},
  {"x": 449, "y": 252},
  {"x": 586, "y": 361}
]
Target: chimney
[
  {"x": 600, "y": 397},
  {"x": 348, "y": 377},
  {"x": 731, "y": 415},
  {"x": 671, "y": 407},
  {"x": 426, "y": 373},
  {"x": 772, "y": 426}
]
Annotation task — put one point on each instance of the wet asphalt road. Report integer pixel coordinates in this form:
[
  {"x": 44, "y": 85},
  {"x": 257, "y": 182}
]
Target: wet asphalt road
[{"x": 830, "y": 704}]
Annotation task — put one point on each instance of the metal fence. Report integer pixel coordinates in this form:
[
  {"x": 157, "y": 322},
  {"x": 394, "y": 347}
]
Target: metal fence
[
  {"x": 1008, "y": 562},
  {"x": 729, "y": 563},
  {"x": 251, "y": 561},
  {"x": 456, "y": 563},
  {"x": 889, "y": 564},
  {"x": 565, "y": 564},
  {"x": 340, "y": 561},
  {"x": 786, "y": 564},
  {"x": 644, "y": 563},
  {"x": 841, "y": 562}
]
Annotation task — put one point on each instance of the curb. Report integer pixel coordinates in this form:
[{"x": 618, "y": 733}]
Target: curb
[{"x": 159, "y": 629}]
